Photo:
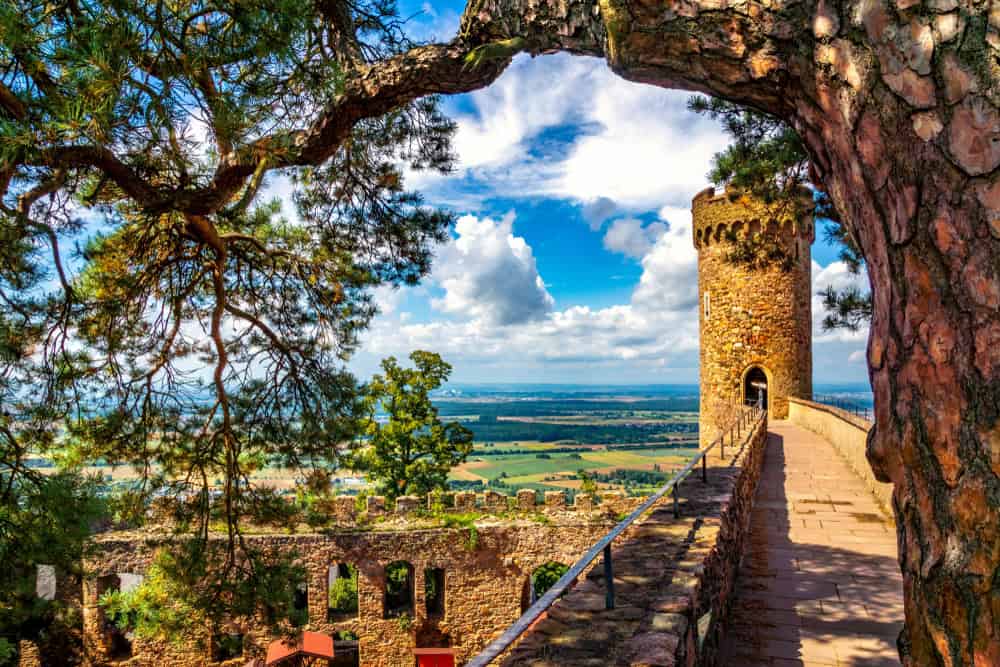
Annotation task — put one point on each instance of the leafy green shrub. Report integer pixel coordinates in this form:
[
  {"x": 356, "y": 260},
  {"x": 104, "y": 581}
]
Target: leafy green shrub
[
  {"x": 545, "y": 576},
  {"x": 344, "y": 591}
]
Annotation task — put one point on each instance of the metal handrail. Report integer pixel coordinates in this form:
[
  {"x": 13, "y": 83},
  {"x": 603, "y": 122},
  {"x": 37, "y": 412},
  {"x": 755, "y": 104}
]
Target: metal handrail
[
  {"x": 852, "y": 407},
  {"x": 750, "y": 417}
]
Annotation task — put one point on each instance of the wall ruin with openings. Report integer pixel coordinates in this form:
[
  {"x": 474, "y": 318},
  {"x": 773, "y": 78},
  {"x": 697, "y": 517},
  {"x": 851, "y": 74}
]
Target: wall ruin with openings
[{"x": 486, "y": 576}]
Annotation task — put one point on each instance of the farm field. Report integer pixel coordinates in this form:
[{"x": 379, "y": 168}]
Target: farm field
[
  {"x": 544, "y": 442},
  {"x": 560, "y": 470},
  {"x": 538, "y": 441}
]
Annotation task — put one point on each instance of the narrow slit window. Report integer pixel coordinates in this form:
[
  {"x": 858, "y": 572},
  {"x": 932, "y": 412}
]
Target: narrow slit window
[
  {"x": 708, "y": 304},
  {"x": 398, "y": 589},
  {"x": 300, "y": 604},
  {"x": 434, "y": 591}
]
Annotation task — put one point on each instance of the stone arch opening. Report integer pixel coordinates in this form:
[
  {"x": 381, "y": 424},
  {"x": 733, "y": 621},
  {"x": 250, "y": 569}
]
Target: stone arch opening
[
  {"x": 342, "y": 592},
  {"x": 227, "y": 646},
  {"x": 544, "y": 577},
  {"x": 346, "y": 649},
  {"x": 398, "y": 598},
  {"x": 115, "y": 628},
  {"x": 755, "y": 387},
  {"x": 300, "y": 604}
]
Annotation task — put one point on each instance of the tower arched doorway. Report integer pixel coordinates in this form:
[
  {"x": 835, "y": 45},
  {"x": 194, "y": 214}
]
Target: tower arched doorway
[{"x": 755, "y": 387}]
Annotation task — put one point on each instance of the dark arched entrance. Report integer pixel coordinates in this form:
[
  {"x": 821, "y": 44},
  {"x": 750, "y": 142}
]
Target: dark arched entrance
[{"x": 755, "y": 387}]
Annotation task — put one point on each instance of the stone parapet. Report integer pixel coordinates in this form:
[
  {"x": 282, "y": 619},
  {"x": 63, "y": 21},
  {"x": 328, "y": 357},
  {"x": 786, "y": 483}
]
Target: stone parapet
[
  {"x": 366, "y": 512},
  {"x": 674, "y": 578},
  {"x": 715, "y": 215}
]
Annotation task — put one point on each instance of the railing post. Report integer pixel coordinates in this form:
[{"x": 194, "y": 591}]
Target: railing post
[
  {"x": 704, "y": 467},
  {"x": 609, "y": 579},
  {"x": 677, "y": 506},
  {"x": 722, "y": 445}
]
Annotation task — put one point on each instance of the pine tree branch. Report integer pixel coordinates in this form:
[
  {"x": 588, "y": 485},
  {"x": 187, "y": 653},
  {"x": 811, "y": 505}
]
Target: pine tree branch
[{"x": 10, "y": 103}]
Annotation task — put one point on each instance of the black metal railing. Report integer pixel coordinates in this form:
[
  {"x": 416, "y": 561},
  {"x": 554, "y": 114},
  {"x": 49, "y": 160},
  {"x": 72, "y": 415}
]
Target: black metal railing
[
  {"x": 747, "y": 421},
  {"x": 855, "y": 408}
]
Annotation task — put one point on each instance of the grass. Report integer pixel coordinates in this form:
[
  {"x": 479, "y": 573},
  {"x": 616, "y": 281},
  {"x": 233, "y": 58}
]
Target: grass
[
  {"x": 534, "y": 445},
  {"x": 528, "y": 465},
  {"x": 528, "y": 471}
]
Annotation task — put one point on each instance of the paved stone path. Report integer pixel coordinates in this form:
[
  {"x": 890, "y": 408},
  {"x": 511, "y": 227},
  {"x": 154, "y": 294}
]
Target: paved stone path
[{"x": 819, "y": 585}]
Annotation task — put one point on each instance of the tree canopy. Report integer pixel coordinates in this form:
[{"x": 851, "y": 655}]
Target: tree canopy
[
  {"x": 160, "y": 306},
  {"x": 413, "y": 450}
]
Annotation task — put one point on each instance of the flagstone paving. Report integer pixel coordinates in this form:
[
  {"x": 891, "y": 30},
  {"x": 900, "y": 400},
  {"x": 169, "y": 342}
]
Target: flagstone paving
[{"x": 819, "y": 585}]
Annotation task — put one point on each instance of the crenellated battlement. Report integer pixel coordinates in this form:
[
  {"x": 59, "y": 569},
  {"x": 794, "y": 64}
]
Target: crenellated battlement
[
  {"x": 717, "y": 215},
  {"x": 407, "y": 512},
  {"x": 755, "y": 315},
  {"x": 345, "y": 510}
]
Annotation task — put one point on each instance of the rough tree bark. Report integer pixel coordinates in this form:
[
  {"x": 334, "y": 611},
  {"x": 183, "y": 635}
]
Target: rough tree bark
[{"x": 897, "y": 101}]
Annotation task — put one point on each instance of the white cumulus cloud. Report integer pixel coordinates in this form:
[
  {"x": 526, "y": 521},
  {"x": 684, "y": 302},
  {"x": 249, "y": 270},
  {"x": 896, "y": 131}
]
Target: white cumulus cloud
[
  {"x": 630, "y": 237},
  {"x": 567, "y": 127},
  {"x": 489, "y": 274},
  {"x": 669, "y": 278}
]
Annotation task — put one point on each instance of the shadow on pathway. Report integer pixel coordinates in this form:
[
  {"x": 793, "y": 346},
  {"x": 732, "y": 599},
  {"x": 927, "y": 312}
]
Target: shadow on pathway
[{"x": 820, "y": 584}]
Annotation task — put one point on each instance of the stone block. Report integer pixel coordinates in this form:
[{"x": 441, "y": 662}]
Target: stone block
[
  {"x": 584, "y": 502},
  {"x": 494, "y": 500},
  {"x": 465, "y": 501},
  {"x": 653, "y": 649},
  {"x": 407, "y": 504},
  {"x": 675, "y": 624},
  {"x": 440, "y": 500},
  {"x": 614, "y": 501},
  {"x": 28, "y": 654},
  {"x": 376, "y": 505},
  {"x": 526, "y": 499},
  {"x": 345, "y": 508},
  {"x": 555, "y": 499}
]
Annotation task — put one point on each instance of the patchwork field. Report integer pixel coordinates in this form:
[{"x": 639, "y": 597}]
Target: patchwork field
[
  {"x": 560, "y": 470},
  {"x": 541, "y": 443}
]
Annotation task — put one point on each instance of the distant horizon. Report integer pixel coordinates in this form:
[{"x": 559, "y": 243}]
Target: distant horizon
[{"x": 515, "y": 383}]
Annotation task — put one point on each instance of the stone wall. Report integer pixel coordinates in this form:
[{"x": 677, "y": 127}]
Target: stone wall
[
  {"x": 674, "y": 578},
  {"x": 751, "y": 317},
  {"x": 721, "y": 552},
  {"x": 486, "y": 575},
  {"x": 849, "y": 436}
]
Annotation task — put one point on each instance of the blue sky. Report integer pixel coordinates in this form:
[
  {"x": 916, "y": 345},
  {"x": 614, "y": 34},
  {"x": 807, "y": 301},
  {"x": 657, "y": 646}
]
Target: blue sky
[{"x": 572, "y": 258}]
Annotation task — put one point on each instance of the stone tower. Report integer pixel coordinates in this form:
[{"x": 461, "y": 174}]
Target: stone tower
[{"x": 755, "y": 319}]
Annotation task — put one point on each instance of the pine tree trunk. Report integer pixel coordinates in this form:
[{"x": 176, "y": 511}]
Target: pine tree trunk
[{"x": 898, "y": 106}]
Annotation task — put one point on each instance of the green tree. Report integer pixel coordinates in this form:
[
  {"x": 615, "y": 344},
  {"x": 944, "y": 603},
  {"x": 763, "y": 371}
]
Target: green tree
[
  {"x": 413, "y": 451},
  {"x": 768, "y": 160},
  {"x": 44, "y": 520}
]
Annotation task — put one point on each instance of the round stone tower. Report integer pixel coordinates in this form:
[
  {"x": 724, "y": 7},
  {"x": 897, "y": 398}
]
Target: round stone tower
[{"x": 755, "y": 314}]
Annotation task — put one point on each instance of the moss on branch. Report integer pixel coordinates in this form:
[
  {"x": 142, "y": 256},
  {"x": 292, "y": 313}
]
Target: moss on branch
[{"x": 504, "y": 49}]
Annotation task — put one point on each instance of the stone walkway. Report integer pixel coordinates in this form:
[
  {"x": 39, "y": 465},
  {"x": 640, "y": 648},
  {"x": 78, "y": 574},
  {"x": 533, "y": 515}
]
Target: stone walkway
[{"x": 819, "y": 585}]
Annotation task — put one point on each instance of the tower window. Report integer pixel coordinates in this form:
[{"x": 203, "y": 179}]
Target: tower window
[{"x": 708, "y": 304}]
